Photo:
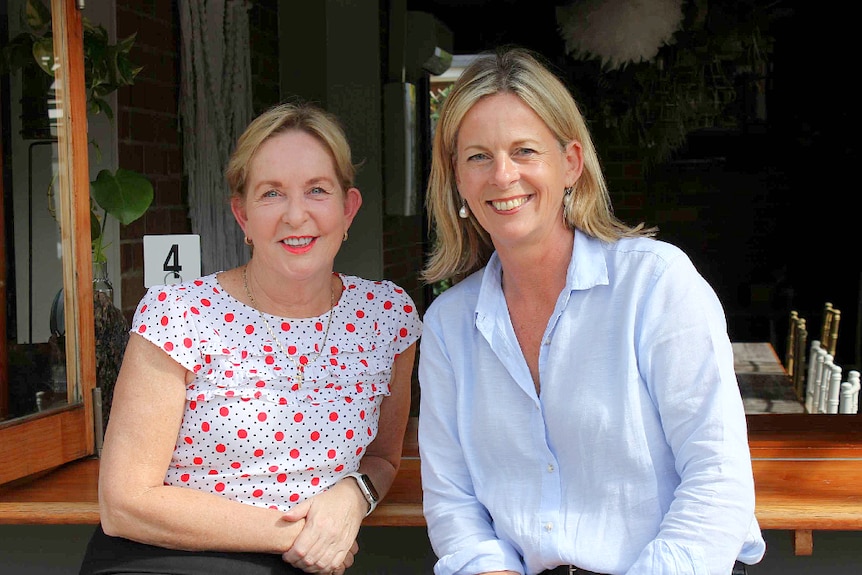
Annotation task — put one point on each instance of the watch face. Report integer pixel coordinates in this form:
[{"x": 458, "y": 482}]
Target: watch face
[{"x": 370, "y": 486}]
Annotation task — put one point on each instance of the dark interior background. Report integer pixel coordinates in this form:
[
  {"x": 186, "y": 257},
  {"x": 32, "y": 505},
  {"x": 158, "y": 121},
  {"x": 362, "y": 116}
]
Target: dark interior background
[{"x": 776, "y": 226}]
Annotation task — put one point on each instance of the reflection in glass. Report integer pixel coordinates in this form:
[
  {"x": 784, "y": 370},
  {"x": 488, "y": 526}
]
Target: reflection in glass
[{"x": 32, "y": 357}]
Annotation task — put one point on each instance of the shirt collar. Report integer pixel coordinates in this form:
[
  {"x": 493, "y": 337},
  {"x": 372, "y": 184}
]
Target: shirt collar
[{"x": 587, "y": 268}]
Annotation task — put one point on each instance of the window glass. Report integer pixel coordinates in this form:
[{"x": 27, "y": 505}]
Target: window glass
[{"x": 47, "y": 357}]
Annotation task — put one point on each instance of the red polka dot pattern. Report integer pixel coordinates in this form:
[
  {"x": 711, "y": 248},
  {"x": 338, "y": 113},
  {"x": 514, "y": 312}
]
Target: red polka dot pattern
[{"x": 250, "y": 432}]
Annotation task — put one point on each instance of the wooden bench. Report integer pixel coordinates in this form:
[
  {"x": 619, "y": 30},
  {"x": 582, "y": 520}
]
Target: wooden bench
[
  {"x": 69, "y": 494},
  {"x": 807, "y": 472}
]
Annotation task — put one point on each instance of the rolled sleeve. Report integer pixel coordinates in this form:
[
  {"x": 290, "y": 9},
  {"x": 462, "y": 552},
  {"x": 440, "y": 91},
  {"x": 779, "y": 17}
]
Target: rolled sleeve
[{"x": 688, "y": 366}]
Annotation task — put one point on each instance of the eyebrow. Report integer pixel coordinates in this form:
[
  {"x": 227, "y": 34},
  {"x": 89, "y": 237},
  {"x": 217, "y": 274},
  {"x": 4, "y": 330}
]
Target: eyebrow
[
  {"x": 310, "y": 182},
  {"x": 523, "y": 143}
]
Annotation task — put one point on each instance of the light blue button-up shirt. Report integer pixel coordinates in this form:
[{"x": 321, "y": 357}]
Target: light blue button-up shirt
[{"x": 634, "y": 459}]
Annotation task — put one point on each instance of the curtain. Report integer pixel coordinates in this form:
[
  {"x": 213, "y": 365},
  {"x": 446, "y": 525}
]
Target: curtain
[{"x": 215, "y": 107}]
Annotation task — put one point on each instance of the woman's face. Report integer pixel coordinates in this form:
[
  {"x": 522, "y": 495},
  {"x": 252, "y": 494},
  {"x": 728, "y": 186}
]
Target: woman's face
[
  {"x": 511, "y": 170},
  {"x": 294, "y": 209}
]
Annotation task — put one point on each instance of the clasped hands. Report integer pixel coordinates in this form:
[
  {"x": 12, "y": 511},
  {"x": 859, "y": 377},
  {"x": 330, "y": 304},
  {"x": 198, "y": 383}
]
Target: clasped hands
[{"x": 327, "y": 543}]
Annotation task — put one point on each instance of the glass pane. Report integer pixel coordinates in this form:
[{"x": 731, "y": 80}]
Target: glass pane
[{"x": 32, "y": 359}]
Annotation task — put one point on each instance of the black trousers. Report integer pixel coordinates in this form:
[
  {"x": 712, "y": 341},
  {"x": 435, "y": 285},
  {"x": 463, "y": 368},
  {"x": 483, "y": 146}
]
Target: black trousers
[{"x": 106, "y": 555}]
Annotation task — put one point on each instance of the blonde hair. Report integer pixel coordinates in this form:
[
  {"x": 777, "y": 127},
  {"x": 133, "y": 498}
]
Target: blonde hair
[
  {"x": 461, "y": 245},
  {"x": 283, "y": 118}
]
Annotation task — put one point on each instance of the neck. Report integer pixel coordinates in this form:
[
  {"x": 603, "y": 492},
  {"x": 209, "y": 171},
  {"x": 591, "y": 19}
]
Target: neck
[
  {"x": 308, "y": 298},
  {"x": 536, "y": 272}
]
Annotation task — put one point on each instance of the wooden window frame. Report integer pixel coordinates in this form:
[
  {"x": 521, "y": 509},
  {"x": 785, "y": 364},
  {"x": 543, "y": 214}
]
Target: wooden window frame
[{"x": 42, "y": 441}]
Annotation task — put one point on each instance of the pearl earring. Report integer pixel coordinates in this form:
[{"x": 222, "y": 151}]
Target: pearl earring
[{"x": 464, "y": 211}]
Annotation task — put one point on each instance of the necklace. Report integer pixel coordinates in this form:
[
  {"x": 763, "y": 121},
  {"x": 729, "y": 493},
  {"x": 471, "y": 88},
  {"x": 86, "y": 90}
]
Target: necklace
[{"x": 300, "y": 367}]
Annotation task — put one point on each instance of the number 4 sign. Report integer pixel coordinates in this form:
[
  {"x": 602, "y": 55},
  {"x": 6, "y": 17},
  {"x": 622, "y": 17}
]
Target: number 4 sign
[{"x": 171, "y": 259}]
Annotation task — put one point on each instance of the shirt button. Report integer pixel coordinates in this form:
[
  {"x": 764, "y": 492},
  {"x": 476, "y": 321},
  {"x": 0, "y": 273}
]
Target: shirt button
[
  {"x": 549, "y": 526},
  {"x": 550, "y": 468}
]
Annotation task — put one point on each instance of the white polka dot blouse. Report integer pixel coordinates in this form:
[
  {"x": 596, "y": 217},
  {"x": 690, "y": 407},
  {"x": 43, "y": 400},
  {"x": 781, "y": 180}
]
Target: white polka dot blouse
[{"x": 253, "y": 431}]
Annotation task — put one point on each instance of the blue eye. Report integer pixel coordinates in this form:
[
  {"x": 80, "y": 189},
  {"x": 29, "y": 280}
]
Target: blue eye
[
  {"x": 270, "y": 193},
  {"x": 317, "y": 190}
]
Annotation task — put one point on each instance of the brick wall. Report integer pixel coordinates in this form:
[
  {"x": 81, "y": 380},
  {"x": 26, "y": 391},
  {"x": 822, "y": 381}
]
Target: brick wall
[
  {"x": 148, "y": 123},
  {"x": 148, "y": 132}
]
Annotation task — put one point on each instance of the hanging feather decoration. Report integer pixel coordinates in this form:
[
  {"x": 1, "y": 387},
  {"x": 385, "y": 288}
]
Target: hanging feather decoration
[{"x": 618, "y": 31}]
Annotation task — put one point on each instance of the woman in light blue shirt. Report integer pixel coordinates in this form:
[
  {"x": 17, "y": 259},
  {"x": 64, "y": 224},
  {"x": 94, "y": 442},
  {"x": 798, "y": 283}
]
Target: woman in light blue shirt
[{"x": 579, "y": 405}]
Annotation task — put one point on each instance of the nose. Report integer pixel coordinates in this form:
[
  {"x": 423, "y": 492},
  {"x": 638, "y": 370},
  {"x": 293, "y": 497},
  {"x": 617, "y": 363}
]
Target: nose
[
  {"x": 295, "y": 211},
  {"x": 505, "y": 171}
]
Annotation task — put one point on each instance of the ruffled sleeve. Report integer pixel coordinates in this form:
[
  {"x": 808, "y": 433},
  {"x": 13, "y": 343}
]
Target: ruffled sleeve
[
  {"x": 164, "y": 319},
  {"x": 400, "y": 312}
]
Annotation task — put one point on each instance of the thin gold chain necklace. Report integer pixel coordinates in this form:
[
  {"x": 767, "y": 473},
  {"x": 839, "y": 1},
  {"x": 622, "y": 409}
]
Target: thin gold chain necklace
[{"x": 300, "y": 368}]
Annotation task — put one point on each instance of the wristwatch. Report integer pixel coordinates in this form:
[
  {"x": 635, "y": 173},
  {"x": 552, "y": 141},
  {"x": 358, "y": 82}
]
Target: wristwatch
[{"x": 367, "y": 489}]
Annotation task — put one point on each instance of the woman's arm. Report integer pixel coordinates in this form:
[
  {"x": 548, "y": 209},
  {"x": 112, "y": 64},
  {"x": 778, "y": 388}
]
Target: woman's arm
[
  {"x": 686, "y": 359},
  {"x": 460, "y": 527},
  {"x": 146, "y": 414}
]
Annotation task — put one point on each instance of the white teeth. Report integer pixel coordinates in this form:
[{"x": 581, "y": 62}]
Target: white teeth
[
  {"x": 297, "y": 242},
  {"x": 506, "y": 205}
]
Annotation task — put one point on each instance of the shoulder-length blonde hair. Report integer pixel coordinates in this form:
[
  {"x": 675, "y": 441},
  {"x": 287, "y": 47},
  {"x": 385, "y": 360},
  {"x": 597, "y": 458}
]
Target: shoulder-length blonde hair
[
  {"x": 461, "y": 245},
  {"x": 281, "y": 118}
]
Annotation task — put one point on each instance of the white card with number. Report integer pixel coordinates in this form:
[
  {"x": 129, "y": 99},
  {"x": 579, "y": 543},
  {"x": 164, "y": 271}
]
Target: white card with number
[{"x": 171, "y": 259}]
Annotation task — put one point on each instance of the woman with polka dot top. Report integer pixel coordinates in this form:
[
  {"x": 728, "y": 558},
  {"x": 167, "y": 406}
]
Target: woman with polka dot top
[{"x": 259, "y": 413}]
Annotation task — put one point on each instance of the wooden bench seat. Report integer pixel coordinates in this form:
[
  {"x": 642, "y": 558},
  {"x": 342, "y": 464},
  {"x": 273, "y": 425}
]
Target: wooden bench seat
[
  {"x": 69, "y": 494},
  {"x": 807, "y": 472}
]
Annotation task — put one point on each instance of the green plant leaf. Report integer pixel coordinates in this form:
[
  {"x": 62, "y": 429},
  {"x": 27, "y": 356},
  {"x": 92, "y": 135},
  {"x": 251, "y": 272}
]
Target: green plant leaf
[
  {"x": 126, "y": 43},
  {"x": 125, "y": 195},
  {"x": 95, "y": 226},
  {"x": 98, "y": 105},
  {"x": 37, "y": 17},
  {"x": 43, "y": 54},
  {"x": 18, "y": 52}
]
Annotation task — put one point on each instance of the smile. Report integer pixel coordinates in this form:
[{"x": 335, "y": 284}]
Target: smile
[
  {"x": 510, "y": 204},
  {"x": 297, "y": 242}
]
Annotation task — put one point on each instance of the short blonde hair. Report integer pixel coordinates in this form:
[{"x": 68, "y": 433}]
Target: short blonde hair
[
  {"x": 281, "y": 118},
  {"x": 461, "y": 245}
]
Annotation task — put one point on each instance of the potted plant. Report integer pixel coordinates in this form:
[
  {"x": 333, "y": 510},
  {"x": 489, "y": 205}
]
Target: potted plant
[{"x": 123, "y": 194}]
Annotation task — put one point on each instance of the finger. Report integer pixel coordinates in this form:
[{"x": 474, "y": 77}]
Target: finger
[{"x": 297, "y": 512}]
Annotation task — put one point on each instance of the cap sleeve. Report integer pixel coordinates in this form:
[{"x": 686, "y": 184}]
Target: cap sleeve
[
  {"x": 406, "y": 325},
  {"x": 164, "y": 319}
]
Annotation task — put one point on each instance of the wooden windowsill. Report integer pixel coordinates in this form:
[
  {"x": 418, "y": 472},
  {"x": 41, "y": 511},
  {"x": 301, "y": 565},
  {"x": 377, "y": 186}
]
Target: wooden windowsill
[{"x": 807, "y": 469}]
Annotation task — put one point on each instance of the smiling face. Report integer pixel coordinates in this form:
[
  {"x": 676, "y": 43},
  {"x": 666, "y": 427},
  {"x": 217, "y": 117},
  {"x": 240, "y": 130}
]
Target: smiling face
[
  {"x": 512, "y": 171},
  {"x": 294, "y": 210}
]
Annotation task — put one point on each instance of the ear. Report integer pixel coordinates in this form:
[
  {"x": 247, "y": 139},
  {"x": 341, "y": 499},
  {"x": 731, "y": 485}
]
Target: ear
[
  {"x": 352, "y": 201},
  {"x": 237, "y": 206},
  {"x": 574, "y": 161}
]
